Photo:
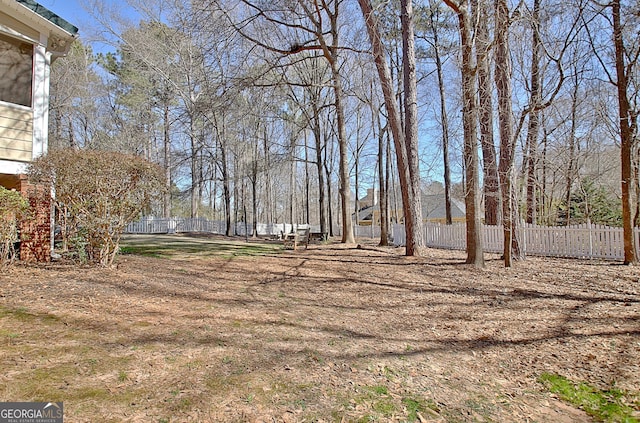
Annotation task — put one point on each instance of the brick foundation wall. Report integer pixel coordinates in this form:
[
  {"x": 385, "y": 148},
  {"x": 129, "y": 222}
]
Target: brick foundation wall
[{"x": 35, "y": 233}]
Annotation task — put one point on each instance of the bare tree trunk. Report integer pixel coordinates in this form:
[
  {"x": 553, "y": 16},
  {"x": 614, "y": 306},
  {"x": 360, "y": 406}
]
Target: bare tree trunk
[
  {"x": 329, "y": 205},
  {"x": 489, "y": 160},
  {"x": 534, "y": 116},
  {"x": 167, "y": 163},
  {"x": 636, "y": 178},
  {"x": 345, "y": 188},
  {"x": 226, "y": 192},
  {"x": 445, "y": 122},
  {"x": 200, "y": 172},
  {"x": 254, "y": 204},
  {"x": 382, "y": 178},
  {"x": 395, "y": 124},
  {"x": 292, "y": 188},
  {"x": 627, "y": 129},
  {"x": 356, "y": 179},
  {"x": 384, "y": 208},
  {"x": 327, "y": 170},
  {"x": 571, "y": 167},
  {"x": 546, "y": 218},
  {"x": 224, "y": 173},
  {"x": 389, "y": 181},
  {"x": 212, "y": 194},
  {"x": 252, "y": 171},
  {"x": 507, "y": 141},
  {"x": 194, "y": 169},
  {"x": 269, "y": 206},
  {"x": 237, "y": 188},
  {"x": 318, "y": 142},
  {"x": 411, "y": 123},
  {"x": 331, "y": 54},
  {"x": 307, "y": 181},
  {"x": 475, "y": 254},
  {"x": 72, "y": 138},
  {"x": 244, "y": 210}
]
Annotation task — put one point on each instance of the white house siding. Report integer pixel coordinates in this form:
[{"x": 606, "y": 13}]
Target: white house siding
[{"x": 16, "y": 133}]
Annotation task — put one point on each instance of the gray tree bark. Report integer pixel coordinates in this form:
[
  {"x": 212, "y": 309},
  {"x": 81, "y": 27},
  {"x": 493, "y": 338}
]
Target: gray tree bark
[
  {"x": 407, "y": 193},
  {"x": 475, "y": 254}
]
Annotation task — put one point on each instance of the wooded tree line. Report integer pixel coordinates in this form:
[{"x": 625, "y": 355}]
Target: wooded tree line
[{"x": 289, "y": 110}]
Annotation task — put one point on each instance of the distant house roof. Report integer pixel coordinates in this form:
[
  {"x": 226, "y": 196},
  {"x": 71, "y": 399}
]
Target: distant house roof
[
  {"x": 433, "y": 207},
  {"x": 49, "y": 15},
  {"x": 367, "y": 212}
]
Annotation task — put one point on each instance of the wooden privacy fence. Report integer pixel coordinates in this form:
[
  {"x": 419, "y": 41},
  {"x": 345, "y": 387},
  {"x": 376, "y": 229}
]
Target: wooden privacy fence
[{"x": 578, "y": 241}]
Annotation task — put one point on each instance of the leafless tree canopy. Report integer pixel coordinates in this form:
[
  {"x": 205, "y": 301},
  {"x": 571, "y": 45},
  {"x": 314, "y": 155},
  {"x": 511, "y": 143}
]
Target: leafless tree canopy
[{"x": 290, "y": 110}]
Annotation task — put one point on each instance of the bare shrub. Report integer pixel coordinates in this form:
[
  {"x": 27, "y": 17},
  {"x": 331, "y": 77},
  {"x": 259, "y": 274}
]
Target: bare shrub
[
  {"x": 98, "y": 194},
  {"x": 13, "y": 208}
]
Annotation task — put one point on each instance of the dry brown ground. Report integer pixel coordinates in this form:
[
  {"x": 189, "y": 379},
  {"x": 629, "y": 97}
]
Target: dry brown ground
[{"x": 333, "y": 333}]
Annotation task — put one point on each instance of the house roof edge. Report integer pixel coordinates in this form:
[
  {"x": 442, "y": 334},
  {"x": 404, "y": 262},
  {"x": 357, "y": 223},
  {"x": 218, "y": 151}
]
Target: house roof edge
[{"x": 50, "y": 16}]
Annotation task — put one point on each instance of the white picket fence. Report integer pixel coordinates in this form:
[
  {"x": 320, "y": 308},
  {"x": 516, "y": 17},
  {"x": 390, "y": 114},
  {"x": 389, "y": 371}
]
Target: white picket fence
[
  {"x": 272, "y": 229},
  {"x": 579, "y": 241},
  {"x": 368, "y": 231},
  {"x": 153, "y": 225}
]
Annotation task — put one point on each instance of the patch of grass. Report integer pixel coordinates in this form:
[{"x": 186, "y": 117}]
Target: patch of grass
[
  {"x": 23, "y": 315},
  {"x": 11, "y": 336},
  {"x": 481, "y": 405},
  {"x": 178, "y": 246},
  {"x": 61, "y": 364},
  {"x": 385, "y": 406},
  {"x": 19, "y": 313},
  {"x": 47, "y": 382},
  {"x": 378, "y": 399},
  {"x": 56, "y": 381},
  {"x": 415, "y": 406},
  {"x": 128, "y": 249},
  {"x": 194, "y": 365},
  {"x": 300, "y": 404},
  {"x": 160, "y": 251},
  {"x": 241, "y": 324},
  {"x": 222, "y": 384},
  {"x": 379, "y": 390},
  {"x": 612, "y": 405},
  {"x": 389, "y": 373}
]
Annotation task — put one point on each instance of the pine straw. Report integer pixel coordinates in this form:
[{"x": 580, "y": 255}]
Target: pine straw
[{"x": 333, "y": 333}]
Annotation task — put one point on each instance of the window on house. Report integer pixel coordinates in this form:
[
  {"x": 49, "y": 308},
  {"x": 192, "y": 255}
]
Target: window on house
[{"x": 16, "y": 71}]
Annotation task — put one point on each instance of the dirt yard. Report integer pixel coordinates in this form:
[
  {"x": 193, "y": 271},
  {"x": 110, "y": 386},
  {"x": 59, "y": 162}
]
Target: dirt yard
[{"x": 219, "y": 330}]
